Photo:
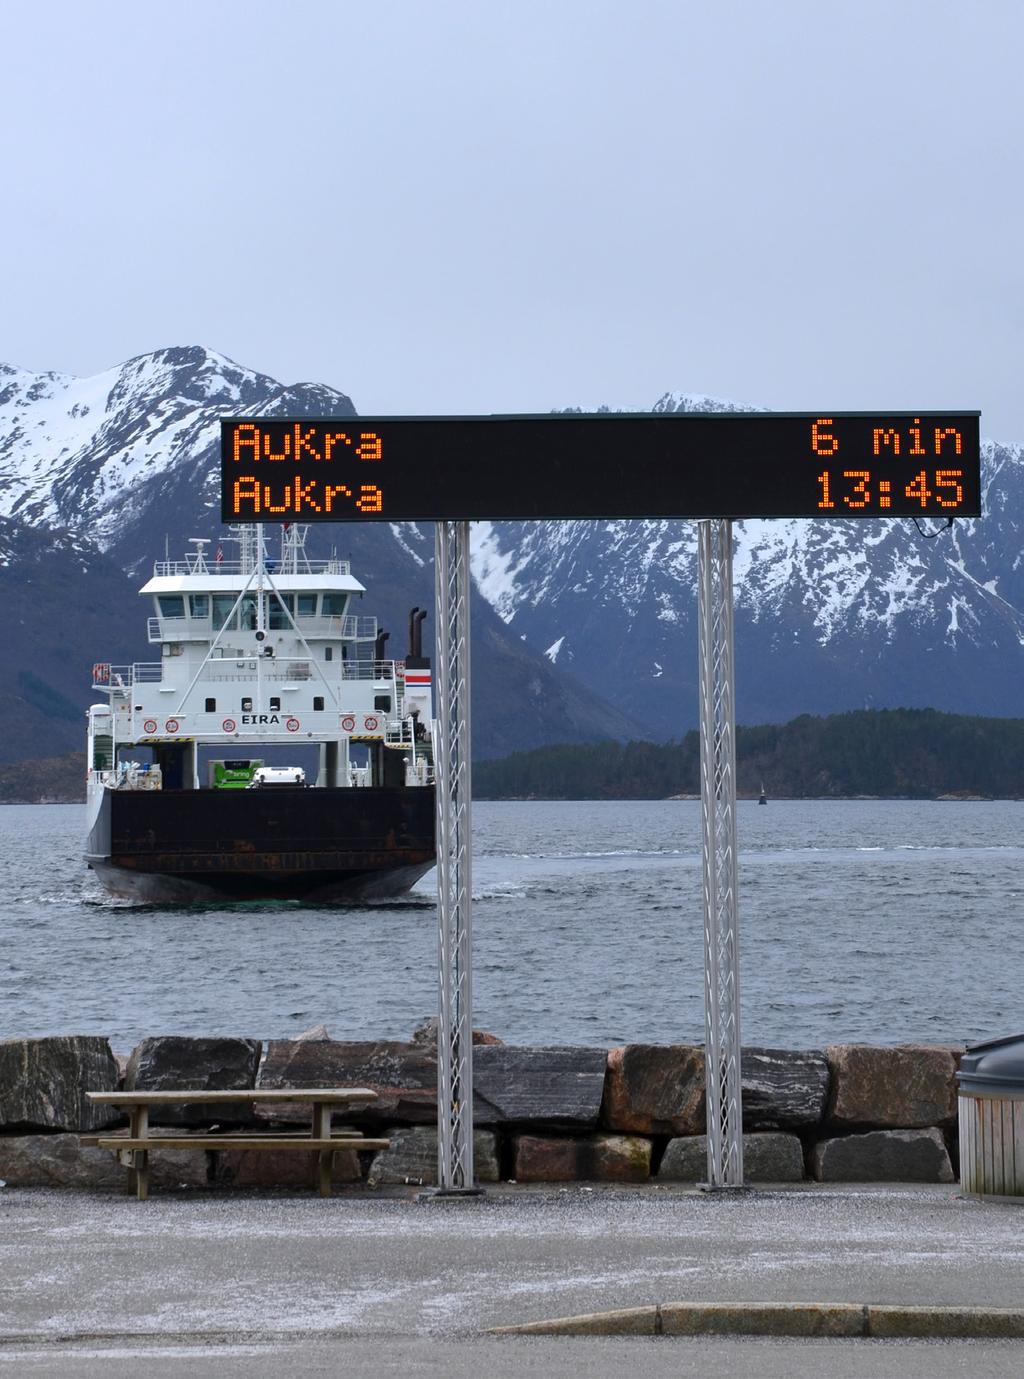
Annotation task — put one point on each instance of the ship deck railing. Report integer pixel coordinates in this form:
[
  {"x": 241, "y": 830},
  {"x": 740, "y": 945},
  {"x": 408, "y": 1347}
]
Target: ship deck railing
[
  {"x": 234, "y": 666},
  {"x": 221, "y": 568},
  {"x": 274, "y": 670},
  {"x": 121, "y": 678},
  {"x": 372, "y": 670}
]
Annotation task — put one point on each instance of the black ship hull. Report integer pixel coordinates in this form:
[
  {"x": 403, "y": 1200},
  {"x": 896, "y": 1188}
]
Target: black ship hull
[{"x": 275, "y": 843}]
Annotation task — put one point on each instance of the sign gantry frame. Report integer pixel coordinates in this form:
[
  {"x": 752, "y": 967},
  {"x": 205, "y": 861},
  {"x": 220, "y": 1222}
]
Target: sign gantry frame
[
  {"x": 453, "y": 793},
  {"x": 710, "y": 467}
]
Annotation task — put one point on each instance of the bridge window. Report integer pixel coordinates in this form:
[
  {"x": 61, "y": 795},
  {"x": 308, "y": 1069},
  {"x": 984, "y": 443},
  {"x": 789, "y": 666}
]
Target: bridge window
[
  {"x": 306, "y": 605},
  {"x": 334, "y": 605},
  {"x": 222, "y": 606},
  {"x": 171, "y": 605},
  {"x": 278, "y": 616},
  {"x": 199, "y": 605}
]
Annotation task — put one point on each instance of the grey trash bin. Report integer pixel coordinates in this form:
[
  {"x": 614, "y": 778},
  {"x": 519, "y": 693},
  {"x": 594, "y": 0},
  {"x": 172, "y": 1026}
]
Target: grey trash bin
[{"x": 991, "y": 1105}]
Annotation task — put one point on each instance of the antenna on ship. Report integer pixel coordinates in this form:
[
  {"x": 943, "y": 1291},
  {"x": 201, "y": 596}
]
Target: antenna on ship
[
  {"x": 293, "y": 548},
  {"x": 197, "y": 560}
]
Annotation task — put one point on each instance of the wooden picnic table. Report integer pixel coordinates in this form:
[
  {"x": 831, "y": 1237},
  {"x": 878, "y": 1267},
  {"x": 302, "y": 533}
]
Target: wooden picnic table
[{"x": 134, "y": 1149}]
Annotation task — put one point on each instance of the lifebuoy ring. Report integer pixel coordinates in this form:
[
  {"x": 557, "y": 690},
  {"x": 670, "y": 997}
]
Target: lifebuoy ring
[
  {"x": 370, "y": 723},
  {"x": 348, "y": 723},
  {"x": 292, "y": 724},
  {"x": 229, "y": 725},
  {"x": 149, "y": 726},
  {"x": 172, "y": 725}
]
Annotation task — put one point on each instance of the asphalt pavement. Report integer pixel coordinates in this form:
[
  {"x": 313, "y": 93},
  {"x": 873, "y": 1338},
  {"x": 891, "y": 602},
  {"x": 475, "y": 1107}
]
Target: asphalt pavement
[{"x": 378, "y": 1284}]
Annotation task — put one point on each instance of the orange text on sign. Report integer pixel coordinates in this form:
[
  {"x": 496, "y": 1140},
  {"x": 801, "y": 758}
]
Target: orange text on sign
[
  {"x": 887, "y": 440},
  {"x": 250, "y": 497},
  {"x": 251, "y": 443}
]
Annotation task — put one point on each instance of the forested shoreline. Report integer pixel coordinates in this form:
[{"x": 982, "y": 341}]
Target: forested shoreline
[{"x": 886, "y": 753}]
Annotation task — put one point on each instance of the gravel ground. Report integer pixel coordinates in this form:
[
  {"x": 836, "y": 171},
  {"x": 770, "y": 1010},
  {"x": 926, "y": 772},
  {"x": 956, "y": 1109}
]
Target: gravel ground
[{"x": 190, "y": 1266}]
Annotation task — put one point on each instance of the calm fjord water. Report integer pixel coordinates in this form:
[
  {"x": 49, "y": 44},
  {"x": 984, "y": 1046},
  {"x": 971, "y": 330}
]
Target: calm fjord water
[{"x": 876, "y": 921}]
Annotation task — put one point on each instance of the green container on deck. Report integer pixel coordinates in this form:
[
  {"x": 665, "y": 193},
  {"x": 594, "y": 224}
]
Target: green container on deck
[{"x": 233, "y": 775}]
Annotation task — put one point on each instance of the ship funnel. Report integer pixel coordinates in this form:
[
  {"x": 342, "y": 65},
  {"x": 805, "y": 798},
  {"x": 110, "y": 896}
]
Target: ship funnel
[
  {"x": 418, "y": 617},
  {"x": 412, "y": 630}
]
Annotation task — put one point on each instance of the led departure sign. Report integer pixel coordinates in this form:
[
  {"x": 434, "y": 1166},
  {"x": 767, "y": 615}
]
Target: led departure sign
[{"x": 733, "y": 464}]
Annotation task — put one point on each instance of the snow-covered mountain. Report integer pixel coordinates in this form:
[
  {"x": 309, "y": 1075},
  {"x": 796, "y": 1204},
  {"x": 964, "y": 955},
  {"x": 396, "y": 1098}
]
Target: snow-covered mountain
[
  {"x": 581, "y": 629},
  {"x": 107, "y": 470},
  {"x": 829, "y": 615},
  {"x": 102, "y": 453}
]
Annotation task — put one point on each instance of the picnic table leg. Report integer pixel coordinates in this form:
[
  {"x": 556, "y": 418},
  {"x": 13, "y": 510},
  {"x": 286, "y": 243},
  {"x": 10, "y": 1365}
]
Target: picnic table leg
[
  {"x": 322, "y": 1131},
  {"x": 139, "y": 1130}
]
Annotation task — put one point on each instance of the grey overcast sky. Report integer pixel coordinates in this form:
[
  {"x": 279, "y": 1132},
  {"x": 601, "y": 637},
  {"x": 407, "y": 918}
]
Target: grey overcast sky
[{"x": 513, "y": 205}]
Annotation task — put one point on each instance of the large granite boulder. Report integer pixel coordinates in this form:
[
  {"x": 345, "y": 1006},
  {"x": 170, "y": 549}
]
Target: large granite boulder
[
  {"x": 768, "y": 1157},
  {"x": 63, "y": 1161},
  {"x": 783, "y": 1089},
  {"x": 43, "y": 1082},
  {"x": 904, "y": 1087},
  {"x": 57, "y": 1161},
  {"x": 425, "y": 1034},
  {"x": 174, "y": 1063},
  {"x": 883, "y": 1156},
  {"x": 653, "y": 1089},
  {"x": 403, "y": 1075},
  {"x": 554, "y": 1088},
  {"x": 596, "y": 1158},
  {"x": 412, "y": 1157}
]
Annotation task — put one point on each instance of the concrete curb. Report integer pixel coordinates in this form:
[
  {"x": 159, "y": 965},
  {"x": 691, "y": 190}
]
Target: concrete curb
[{"x": 785, "y": 1319}]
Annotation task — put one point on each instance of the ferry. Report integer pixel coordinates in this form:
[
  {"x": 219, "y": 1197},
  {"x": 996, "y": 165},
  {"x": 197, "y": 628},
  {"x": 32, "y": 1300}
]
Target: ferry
[{"x": 259, "y": 653}]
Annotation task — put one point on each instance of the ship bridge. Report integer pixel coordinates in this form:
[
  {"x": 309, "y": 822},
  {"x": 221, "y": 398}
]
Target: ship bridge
[{"x": 259, "y": 651}]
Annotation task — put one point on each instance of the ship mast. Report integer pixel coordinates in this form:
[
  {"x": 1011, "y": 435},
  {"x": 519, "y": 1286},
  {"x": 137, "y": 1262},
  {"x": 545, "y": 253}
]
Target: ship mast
[{"x": 261, "y": 628}]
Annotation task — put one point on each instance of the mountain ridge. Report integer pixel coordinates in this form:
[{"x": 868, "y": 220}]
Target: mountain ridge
[
  {"x": 580, "y": 629},
  {"x": 128, "y": 461}
]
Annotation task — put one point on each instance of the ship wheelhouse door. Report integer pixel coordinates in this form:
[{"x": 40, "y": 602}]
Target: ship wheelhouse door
[{"x": 101, "y": 738}]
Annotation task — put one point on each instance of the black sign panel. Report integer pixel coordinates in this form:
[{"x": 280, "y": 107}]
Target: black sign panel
[{"x": 733, "y": 464}]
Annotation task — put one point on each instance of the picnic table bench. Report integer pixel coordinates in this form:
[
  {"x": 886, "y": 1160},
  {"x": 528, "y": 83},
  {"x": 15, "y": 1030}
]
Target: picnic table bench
[{"x": 133, "y": 1149}]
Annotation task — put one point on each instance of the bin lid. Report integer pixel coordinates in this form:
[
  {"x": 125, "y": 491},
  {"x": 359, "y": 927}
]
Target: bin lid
[{"x": 997, "y": 1066}]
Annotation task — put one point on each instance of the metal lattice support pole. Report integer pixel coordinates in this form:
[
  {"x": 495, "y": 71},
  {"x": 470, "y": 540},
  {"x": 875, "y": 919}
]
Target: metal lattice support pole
[
  {"x": 718, "y": 816},
  {"x": 454, "y": 862}
]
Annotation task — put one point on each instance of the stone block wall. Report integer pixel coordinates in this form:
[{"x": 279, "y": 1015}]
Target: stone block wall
[{"x": 846, "y": 1113}]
